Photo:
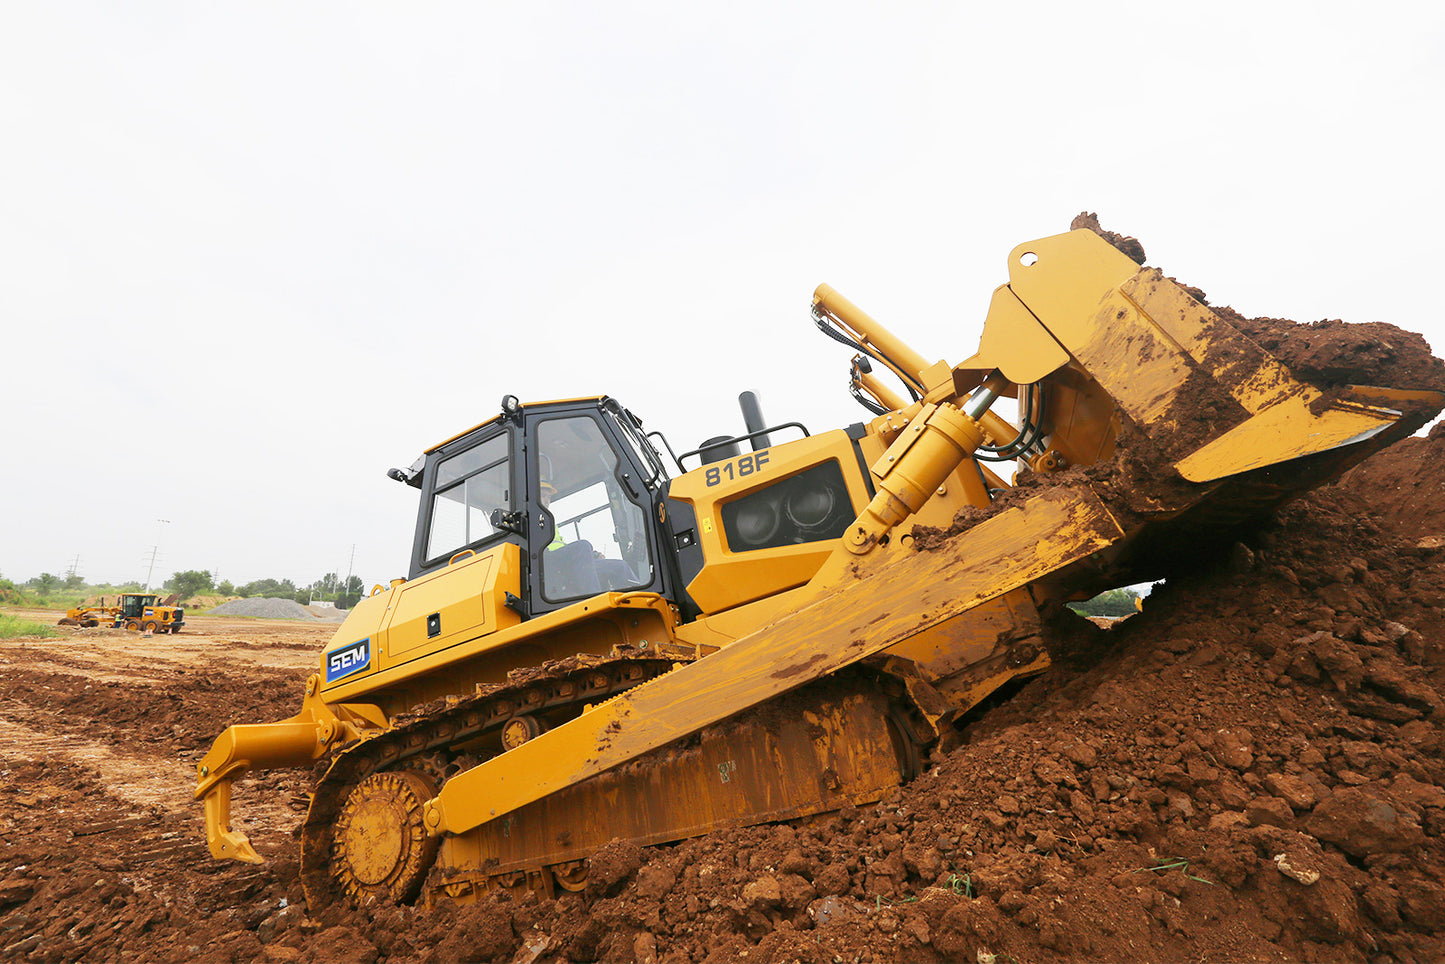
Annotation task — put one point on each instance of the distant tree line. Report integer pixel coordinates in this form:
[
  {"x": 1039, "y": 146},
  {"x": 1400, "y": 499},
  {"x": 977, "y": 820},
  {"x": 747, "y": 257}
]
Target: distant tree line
[
  {"x": 50, "y": 589},
  {"x": 1111, "y": 602},
  {"x": 329, "y": 588},
  {"x": 46, "y": 583}
]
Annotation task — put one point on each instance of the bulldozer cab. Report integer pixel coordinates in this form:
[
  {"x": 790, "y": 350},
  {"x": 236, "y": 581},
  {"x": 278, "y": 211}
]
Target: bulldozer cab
[
  {"x": 134, "y": 605},
  {"x": 575, "y": 485}
]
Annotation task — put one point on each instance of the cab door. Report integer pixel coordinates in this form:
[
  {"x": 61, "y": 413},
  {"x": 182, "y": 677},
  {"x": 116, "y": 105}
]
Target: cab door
[{"x": 589, "y": 511}]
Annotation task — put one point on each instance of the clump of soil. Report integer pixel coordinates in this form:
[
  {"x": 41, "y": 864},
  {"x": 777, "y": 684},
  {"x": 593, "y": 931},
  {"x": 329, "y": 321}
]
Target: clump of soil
[
  {"x": 1334, "y": 352},
  {"x": 1127, "y": 245}
]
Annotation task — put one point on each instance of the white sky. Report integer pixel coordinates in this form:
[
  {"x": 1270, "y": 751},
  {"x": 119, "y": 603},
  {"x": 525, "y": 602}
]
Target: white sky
[{"x": 253, "y": 255}]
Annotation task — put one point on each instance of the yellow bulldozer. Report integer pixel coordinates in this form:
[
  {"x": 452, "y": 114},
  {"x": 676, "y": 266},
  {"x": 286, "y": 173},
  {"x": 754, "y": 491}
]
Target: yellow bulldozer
[
  {"x": 597, "y": 642},
  {"x": 136, "y": 611}
]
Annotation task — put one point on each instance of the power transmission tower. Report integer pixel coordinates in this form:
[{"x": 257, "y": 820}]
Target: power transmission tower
[
  {"x": 346, "y": 588},
  {"x": 151, "y": 568},
  {"x": 154, "y": 550}
]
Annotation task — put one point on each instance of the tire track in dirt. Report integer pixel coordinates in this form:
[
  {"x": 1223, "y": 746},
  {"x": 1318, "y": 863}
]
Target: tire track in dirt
[
  {"x": 157, "y": 781},
  {"x": 55, "y": 664},
  {"x": 143, "y": 780}
]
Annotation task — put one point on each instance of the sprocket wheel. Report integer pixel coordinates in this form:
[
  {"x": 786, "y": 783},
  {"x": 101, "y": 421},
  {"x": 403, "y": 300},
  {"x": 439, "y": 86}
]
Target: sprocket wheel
[{"x": 380, "y": 846}]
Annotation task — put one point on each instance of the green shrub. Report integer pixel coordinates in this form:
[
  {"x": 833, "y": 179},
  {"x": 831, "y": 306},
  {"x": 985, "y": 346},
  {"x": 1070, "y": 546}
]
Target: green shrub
[{"x": 11, "y": 626}]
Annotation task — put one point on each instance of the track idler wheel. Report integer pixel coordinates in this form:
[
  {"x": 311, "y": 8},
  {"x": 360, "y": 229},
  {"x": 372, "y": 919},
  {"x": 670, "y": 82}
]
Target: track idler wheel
[
  {"x": 571, "y": 875},
  {"x": 380, "y": 846}
]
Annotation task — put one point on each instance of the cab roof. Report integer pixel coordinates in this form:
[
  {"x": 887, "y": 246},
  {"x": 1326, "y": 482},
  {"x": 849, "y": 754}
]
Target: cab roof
[{"x": 481, "y": 425}]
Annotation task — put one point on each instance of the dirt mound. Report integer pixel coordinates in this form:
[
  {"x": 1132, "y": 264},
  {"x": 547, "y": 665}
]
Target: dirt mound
[
  {"x": 185, "y": 714},
  {"x": 205, "y": 603},
  {"x": 1401, "y": 490},
  {"x": 266, "y": 607}
]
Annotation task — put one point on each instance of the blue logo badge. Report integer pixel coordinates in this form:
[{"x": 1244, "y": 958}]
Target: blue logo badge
[{"x": 342, "y": 662}]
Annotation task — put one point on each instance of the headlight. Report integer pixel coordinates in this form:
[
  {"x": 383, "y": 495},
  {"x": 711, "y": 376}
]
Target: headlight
[
  {"x": 757, "y": 521},
  {"x": 809, "y": 506},
  {"x": 809, "y": 509}
]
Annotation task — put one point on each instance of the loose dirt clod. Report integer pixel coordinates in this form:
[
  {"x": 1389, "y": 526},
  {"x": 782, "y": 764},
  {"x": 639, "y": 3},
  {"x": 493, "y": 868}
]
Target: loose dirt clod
[
  {"x": 1129, "y": 246},
  {"x": 1249, "y": 769}
]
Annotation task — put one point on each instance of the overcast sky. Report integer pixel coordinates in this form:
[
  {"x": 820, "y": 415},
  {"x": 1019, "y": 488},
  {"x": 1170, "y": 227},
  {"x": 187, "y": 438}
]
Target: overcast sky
[{"x": 253, "y": 255}]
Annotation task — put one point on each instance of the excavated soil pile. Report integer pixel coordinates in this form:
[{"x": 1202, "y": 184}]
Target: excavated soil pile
[
  {"x": 1250, "y": 769},
  {"x": 270, "y": 607}
]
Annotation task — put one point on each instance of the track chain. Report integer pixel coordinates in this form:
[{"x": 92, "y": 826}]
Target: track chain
[{"x": 425, "y": 739}]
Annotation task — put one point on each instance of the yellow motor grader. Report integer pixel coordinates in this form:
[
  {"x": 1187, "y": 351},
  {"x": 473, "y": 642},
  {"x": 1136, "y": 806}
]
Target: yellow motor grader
[
  {"x": 135, "y": 611},
  {"x": 590, "y": 645}
]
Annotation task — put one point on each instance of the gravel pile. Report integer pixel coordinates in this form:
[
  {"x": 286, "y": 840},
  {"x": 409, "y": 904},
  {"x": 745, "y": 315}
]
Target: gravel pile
[{"x": 272, "y": 608}]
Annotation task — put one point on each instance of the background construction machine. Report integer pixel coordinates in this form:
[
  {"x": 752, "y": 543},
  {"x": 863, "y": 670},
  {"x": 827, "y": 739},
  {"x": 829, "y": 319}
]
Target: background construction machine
[
  {"x": 588, "y": 646},
  {"x": 132, "y": 610},
  {"x": 90, "y": 616}
]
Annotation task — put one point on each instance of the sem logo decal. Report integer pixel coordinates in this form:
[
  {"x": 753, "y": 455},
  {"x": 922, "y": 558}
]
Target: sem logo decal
[{"x": 350, "y": 659}]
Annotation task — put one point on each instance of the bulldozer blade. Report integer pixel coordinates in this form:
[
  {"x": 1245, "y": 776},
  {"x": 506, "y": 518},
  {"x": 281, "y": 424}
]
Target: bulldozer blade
[
  {"x": 904, "y": 593},
  {"x": 1214, "y": 403}
]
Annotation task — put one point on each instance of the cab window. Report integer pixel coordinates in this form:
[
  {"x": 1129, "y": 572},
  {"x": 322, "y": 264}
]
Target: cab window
[
  {"x": 468, "y": 486},
  {"x": 596, "y": 537}
]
